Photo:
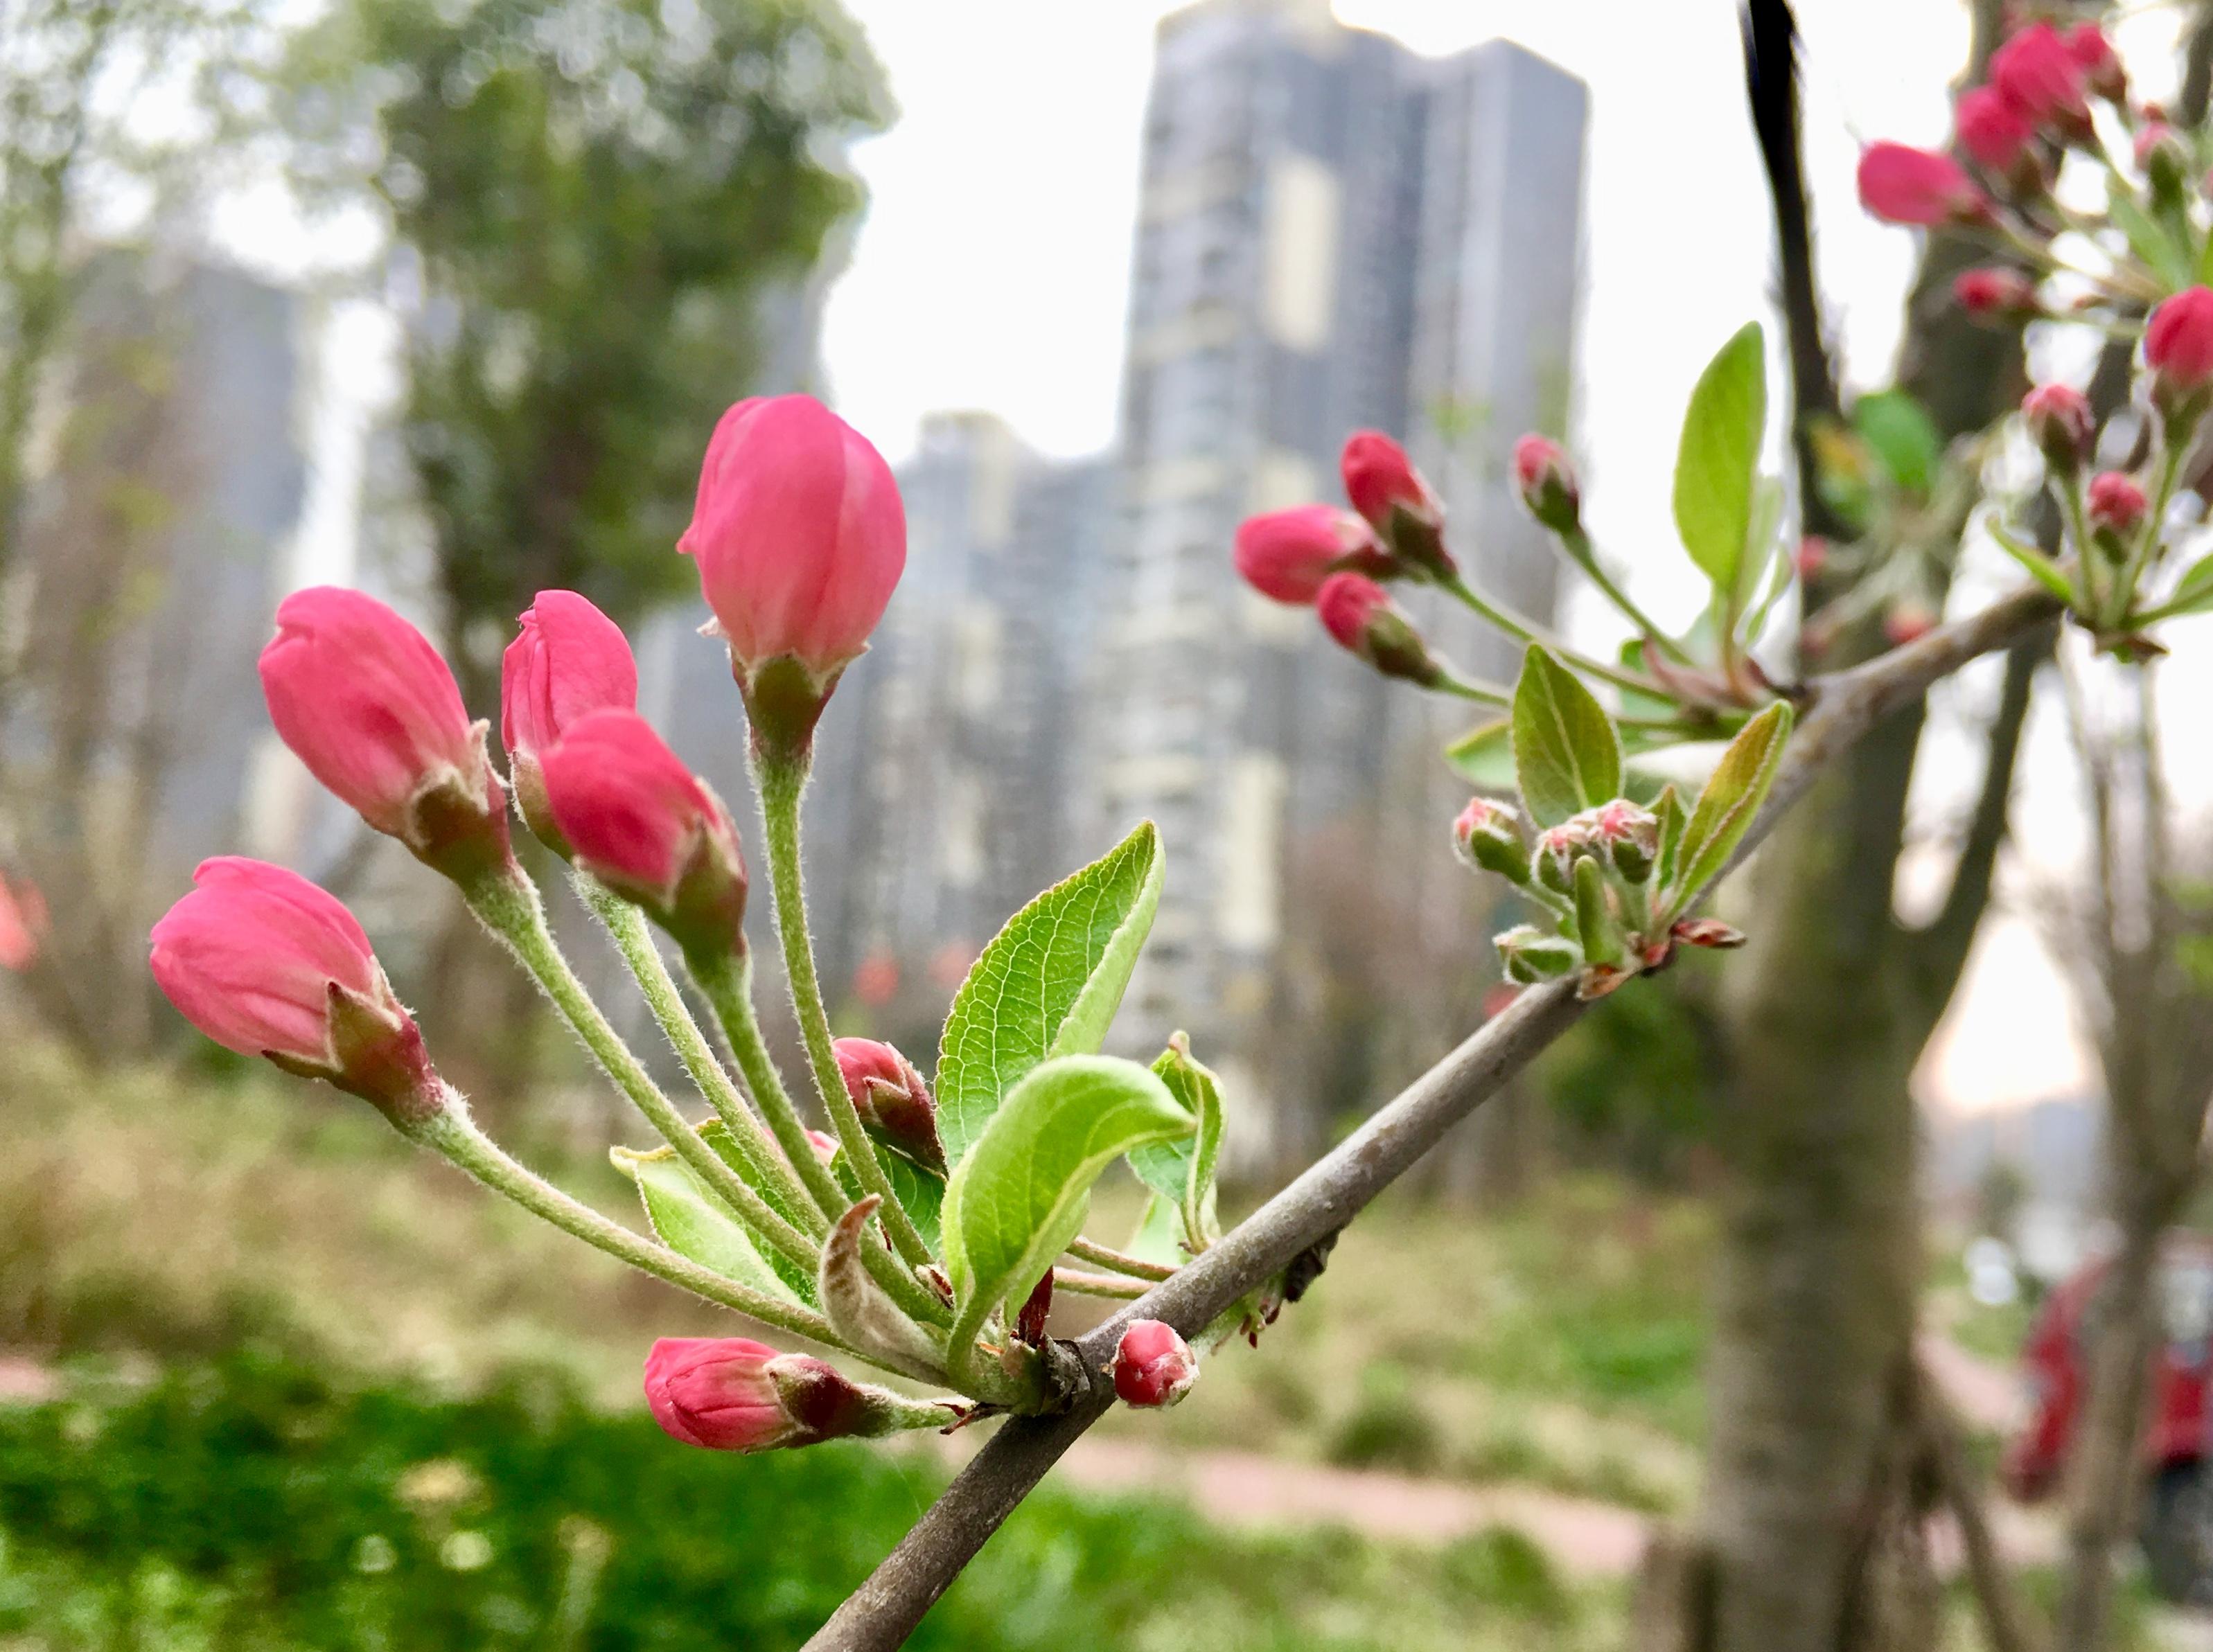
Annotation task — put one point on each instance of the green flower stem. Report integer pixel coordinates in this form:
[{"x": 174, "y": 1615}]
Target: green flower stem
[
  {"x": 508, "y": 905},
  {"x": 1098, "y": 1284},
  {"x": 453, "y": 1134},
  {"x": 781, "y": 779},
  {"x": 1100, "y": 1255},
  {"x": 1482, "y": 694},
  {"x": 2071, "y": 499},
  {"x": 766, "y": 1167},
  {"x": 727, "y": 984},
  {"x": 2124, "y": 590},
  {"x": 1522, "y": 631},
  {"x": 1584, "y": 555}
]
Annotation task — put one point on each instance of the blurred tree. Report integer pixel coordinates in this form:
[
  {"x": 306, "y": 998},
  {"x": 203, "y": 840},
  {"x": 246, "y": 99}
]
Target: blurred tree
[{"x": 589, "y": 203}]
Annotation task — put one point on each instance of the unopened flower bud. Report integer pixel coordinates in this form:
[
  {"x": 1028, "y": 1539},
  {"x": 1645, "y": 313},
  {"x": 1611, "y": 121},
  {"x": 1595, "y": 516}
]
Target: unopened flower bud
[
  {"x": 1811, "y": 556},
  {"x": 644, "y": 825},
  {"x": 2115, "y": 506},
  {"x": 2062, "y": 425},
  {"x": 1488, "y": 836},
  {"x": 2093, "y": 54},
  {"x": 1396, "y": 500},
  {"x": 1707, "y": 931},
  {"x": 1552, "y": 862},
  {"x": 1360, "y": 615},
  {"x": 2043, "y": 80},
  {"x": 1547, "y": 482},
  {"x": 728, "y": 1393},
  {"x": 1994, "y": 294},
  {"x": 1628, "y": 835},
  {"x": 1531, "y": 955},
  {"x": 1286, "y": 555},
  {"x": 365, "y": 701},
  {"x": 1995, "y": 133},
  {"x": 2178, "y": 347},
  {"x": 1905, "y": 622},
  {"x": 1901, "y": 184},
  {"x": 265, "y": 963},
  {"x": 1153, "y": 1365},
  {"x": 893, "y": 1103},
  {"x": 569, "y": 661}
]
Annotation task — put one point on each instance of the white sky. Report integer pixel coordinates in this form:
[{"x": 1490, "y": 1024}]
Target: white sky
[{"x": 991, "y": 271}]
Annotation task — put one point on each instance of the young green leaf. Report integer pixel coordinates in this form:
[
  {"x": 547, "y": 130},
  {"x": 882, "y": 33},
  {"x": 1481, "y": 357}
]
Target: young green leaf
[
  {"x": 1566, "y": 755},
  {"x": 1483, "y": 756},
  {"x": 1732, "y": 796},
  {"x": 801, "y": 1280},
  {"x": 1716, "y": 462},
  {"x": 1668, "y": 809},
  {"x": 1184, "y": 1169},
  {"x": 1021, "y": 1192},
  {"x": 694, "y": 1223},
  {"x": 1594, "y": 927},
  {"x": 1047, "y": 985},
  {"x": 1902, "y": 436},
  {"x": 2041, "y": 567}
]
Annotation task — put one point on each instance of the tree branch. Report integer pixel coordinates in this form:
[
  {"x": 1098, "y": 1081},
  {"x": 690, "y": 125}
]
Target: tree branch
[{"x": 884, "y": 1610}]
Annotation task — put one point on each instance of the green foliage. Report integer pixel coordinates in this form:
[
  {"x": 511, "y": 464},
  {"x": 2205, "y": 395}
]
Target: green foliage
[
  {"x": 1903, "y": 437},
  {"x": 1048, "y": 984},
  {"x": 1716, "y": 465},
  {"x": 1021, "y": 1193},
  {"x": 1181, "y": 1170},
  {"x": 1483, "y": 756},
  {"x": 694, "y": 1222},
  {"x": 1566, "y": 755},
  {"x": 1732, "y": 797},
  {"x": 596, "y": 197}
]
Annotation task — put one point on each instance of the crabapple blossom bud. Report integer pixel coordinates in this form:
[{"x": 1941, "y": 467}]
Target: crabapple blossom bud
[
  {"x": 1547, "y": 482},
  {"x": 1629, "y": 835},
  {"x": 800, "y": 537},
  {"x": 2061, "y": 422},
  {"x": 728, "y": 1393},
  {"x": 569, "y": 661},
  {"x": 2093, "y": 54},
  {"x": 640, "y": 822},
  {"x": 1387, "y": 490},
  {"x": 2041, "y": 80},
  {"x": 364, "y": 701},
  {"x": 1707, "y": 931},
  {"x": 1553, "y": 861},
  {"x": 889, "y": 1095},
  {"x": 1996, "y": 293},
  {"x": 1361, "y": 617},
  {"x": 1811, "y": 556},
  {"x": 1154, "y": 1366},
  {"x": 1904, "y": 622},
  {"x": 1286, "y": 554},
  {"x": 1532, "y": 956},
  {"x": 1488, "y": 836},
  {"x": 1994, "y": 132},
  {"x": 265, "y": 963},
  {"x": 2114, "y": 504},
  {"x": 2178, "y": 347},
  {"x": 1905, "y": 185}
]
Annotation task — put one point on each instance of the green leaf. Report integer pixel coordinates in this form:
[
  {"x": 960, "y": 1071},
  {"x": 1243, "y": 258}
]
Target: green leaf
[
  {"x": 1719, "y": 455},
  {"x": 1158, "y": 1236},
  {"x": 1566, "y": 755},
  {"x": 1047, "y": 985},
  {"x": 2193, "y": 592},
  {"x": 1022, "y": 1192},
  {"x": 1732, "y": 796},
  {"x": 1601, "y": 942},
  {"x": 1483, "y": 756},
  {"x": 2146, "y": 239},
  {"x": 1184, "y": 1169},
  {"x": 2041, "y": 567},
  {"x": 1668, "y": 809},
  {"x": 1902, "y": 436},
  {"x": 694, "y": 1223},
  {"x": 802, "y": 1280},
  {"x": 921, "y": 1193}
]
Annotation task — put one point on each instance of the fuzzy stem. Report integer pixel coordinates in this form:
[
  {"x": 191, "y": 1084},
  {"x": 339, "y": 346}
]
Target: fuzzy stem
[
  {"x": 1522, "y": 631},
  {"x": 508, "y": 905},
  {"x": 454, "y": 1135},
  {"x": 781, "y": 779},
  {"x": 768, "y": 1167},
  {"x": 1098, "y": 1284},
  {"x": 1100, "y": 1255}
]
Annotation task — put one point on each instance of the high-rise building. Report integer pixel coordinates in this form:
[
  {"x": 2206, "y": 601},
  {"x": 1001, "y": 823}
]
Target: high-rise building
[{"x": 1333, "y": 234}]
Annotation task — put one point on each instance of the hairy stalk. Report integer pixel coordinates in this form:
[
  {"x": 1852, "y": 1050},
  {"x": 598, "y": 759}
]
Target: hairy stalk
[
  {"x": 1522, "y": 631},
  {"x": 766, "y": 1168},
  {"x": 1584, "y": 556},
  {"x": 1097, "y": 1284},
  {"x": 509, "y": 907},
  {"x": 454, "y": 1135},
  {"x": 1100, "y": 1255},
  {"x": 781, "y": 780}
]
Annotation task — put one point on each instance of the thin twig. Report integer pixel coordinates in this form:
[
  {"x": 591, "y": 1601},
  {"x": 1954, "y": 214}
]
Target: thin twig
[{"x": 881, "y": 1613}]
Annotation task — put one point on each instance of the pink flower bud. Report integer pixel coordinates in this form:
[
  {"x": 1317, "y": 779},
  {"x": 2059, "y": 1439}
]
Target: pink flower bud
[
  {"x": 1905, "y": 185},
  {"x": 889, "y": 1095},
  {"x": 1488, "y": 836},
  {"x": 2154, "y": 135},
  {"x": 1552, "y": 862},
  {"x": 1286, "y": 554},
  {"x": 644, "y": 825},
  {"x": 2115, "y": 503},
  {"x": 1991, "y": 131},
  {"x": 1547, "y": 482},
  {"x": 2178, "y": 346},
  {"x": 1629, "y": 835},
  {"x": 1361, "y": 617},
  {"x": 365, "y": 701},
  {"x": 2041, "y": 80},
  {"x": 23, "y": 924},
  {"x": 1996, "y": 293},
  {"x": 1380, "y": 479},
  {"x": 265, "y": 963},
  {"x": 799, "y": 535},
  {"x": 1154, "y": 1366},
  {"x": 728, "y": 1393},
  {"x": 1907, "y": 621},
  {"x": 1811, "y": 556},
  {"x": 2093, "y": 54},
  {"x": 2061, "y": 423},
  {"x": 570, "y": 660}
]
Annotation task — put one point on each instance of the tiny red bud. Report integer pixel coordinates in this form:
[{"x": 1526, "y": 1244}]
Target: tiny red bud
[
  {"x": 1547, "y": 482},
  {"x": 2178, "y": 346},
  {"x": 1995, "y": 133},
  {"x": 2062, "y": 424},
  {"x": 891, "y": 1099},
  {"x": 1996, "y": 293},
  {"x": 2115, "y": 503},
  {"x": 1153, "y": 1365},
  {"x": 2093, "y": 54},
  {"x": 1361, "y": 617},
  {"x": 1811, "y": 556},
  {"x": 1907, "y": 621},
  {"x": 1488, "y": 836},
  {"x": 1385, "y": 488},
  {"x": 1286, "y": 554},
  {"x": 1905, "y": 185}
]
